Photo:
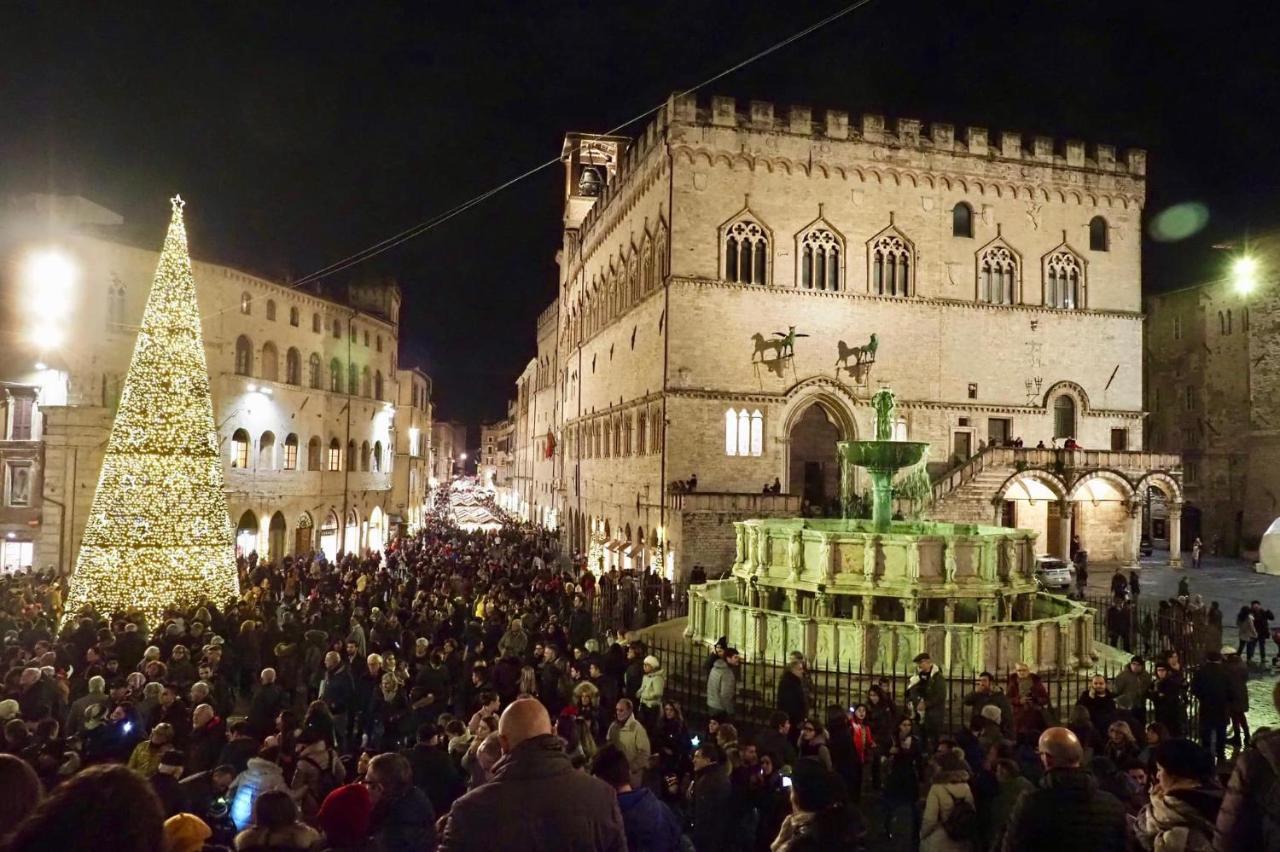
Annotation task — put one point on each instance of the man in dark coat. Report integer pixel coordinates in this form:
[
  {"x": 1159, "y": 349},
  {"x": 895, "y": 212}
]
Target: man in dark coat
[
  {"x": 709, "y": 800},
  {"x": 927, "y": 693},
  {"x": 792, "y": 699},
  {"x": 1212, "y": 685},
  {"x": 536, "y": 798},
  {"x": 1068, "y": 812},
  {"x": 433, "y": 771},
  {"x": 1262, "y": 618},
  {"x": 268, "y": 700},
  {"x": 402, "y": 819}
]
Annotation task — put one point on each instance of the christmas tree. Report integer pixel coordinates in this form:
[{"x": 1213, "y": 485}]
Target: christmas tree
[{"x": 159, "y": 534}]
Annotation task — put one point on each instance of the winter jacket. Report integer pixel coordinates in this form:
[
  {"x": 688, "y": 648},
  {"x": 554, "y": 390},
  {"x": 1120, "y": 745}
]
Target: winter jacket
[
  {"x": 1131, "y": 688},
  {"x": 297, "y": 836},
  {"x": 1238, "y": 678},
  {"x": 942, "y": 797},
  {"x": 435, "y": 774},
  {"x": 709, "y": 811},
  {"x": 1212, "y": 685},
  {"x": 318, "y": 771},
  {"x": 631, "y": 738},
  {"x": 1067, "y": 813},
  {"x": 1249, "y": 820},
  {"x": 536, "y": 800},
  {"x": 722, "y": 685},
  {"x": 651, "y": 688},
  {"x": 649, "y": 823},
  {"x": 405, "y": 823},
  {"x": 259, "y": 777},
  {"x": 931, "y": 690},
  {"x": 791, "y": 697},
  {"x": 1006, "y": 797},
  {"x": 1179, "y": 821}
]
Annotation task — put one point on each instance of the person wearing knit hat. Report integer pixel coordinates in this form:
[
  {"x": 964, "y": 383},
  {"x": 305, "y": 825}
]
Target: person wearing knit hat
[
  {"x": 344, "y": 816},
  {"x": 185, "y": 833},
  {"x": 652, "y": 686},
  {"x": 8, "y": 709}
]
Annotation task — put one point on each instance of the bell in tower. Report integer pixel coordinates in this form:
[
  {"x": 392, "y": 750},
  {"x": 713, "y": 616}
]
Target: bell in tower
[{"x": 589, "y": 182}]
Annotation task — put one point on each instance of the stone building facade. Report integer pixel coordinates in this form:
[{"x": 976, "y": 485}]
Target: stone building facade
[
  {"x": 737, "y": 281},
  {"x": 495, "y": 454},
  {"x": 1213, "y": 392},
  {"x": 304, "y": 394}
]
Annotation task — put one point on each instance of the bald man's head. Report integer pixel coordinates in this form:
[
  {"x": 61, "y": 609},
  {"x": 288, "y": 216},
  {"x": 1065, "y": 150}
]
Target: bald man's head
[
  {"x": 525, "y": 719},
  {"x": 1060, "y": 749}
]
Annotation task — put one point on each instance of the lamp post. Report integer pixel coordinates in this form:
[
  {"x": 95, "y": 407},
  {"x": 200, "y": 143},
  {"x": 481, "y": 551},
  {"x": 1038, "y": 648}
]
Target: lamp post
[{"x": 1244, "y": 274}]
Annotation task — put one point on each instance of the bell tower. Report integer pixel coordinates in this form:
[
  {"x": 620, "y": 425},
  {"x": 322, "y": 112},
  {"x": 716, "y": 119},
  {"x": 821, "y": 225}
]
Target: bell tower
[{"x": 590, "y": 165}]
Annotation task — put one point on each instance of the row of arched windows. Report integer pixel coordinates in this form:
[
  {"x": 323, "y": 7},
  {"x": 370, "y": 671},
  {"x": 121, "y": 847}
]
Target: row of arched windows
[
  {"x": 821, "y": 261},
  {"x": 295, "y": 319},
  {"x": 370, "y": 459},
  {"x": 631, "y": 276},
  {"x": 360, "y": 381},
  {"x": 630, "y": 433}
]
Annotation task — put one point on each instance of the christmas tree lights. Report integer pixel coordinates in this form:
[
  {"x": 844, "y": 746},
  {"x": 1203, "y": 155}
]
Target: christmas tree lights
[{"x": 159, "y": 533}]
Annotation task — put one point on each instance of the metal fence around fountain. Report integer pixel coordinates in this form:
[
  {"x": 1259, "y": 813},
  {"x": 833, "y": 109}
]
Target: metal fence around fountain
[
  {"x": 687, "y": 667},
  {"x": 626, "y": 610}
]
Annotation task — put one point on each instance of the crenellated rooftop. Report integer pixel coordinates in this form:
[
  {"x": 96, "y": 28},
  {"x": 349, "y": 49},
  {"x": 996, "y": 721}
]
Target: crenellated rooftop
[
  {"x": 761, "y": 116},
  {"x": 872, "y": 128}
]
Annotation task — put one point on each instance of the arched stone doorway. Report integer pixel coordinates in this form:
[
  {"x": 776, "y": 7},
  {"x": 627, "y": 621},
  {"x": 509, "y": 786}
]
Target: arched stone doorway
[
  {"x": 329, "y": 536},
  {"x": 247, "y": 534},
  {"x": 377, "y": 533},
  {"x": 813, "y": 466},
  {"x": 351, "y": 535},
  {"x": 302, "y": 541},
  {"x": 1103, "y": 509},
  {"x": 276, "y": 537}
]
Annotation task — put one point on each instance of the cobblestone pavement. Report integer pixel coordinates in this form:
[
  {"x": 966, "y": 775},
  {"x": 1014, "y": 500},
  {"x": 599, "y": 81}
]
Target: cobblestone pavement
[{"x": 1230, "y": 582}]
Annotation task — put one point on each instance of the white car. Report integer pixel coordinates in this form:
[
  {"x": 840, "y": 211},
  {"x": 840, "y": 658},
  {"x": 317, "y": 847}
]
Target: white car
[{"x": 1053, "y": 573}]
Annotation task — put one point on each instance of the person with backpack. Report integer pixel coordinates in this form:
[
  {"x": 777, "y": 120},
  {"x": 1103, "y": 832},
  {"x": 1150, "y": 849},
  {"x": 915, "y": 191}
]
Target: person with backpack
[
  {"x": 950, "y": 815},
  {"x": 318, "y": 771}
]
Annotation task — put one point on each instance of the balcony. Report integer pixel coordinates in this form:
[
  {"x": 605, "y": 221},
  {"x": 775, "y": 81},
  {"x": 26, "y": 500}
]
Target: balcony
[{"x": 754, "y": 504}]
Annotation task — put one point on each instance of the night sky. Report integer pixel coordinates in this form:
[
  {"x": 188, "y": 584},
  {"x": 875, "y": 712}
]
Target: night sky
[{"x": 303, "y": 132}]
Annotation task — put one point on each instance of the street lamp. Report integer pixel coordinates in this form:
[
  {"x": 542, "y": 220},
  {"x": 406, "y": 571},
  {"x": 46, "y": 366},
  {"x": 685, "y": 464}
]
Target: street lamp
[
  {"x": 1244, "y": 274},
  {"x": 49, "y": 277}
]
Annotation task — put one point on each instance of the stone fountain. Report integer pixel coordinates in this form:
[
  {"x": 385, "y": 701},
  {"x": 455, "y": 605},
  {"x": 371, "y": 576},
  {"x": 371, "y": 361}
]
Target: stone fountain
[{"x": 870, "y": 595}]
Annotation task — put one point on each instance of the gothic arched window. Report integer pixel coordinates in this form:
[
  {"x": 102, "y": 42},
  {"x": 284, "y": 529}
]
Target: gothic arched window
[
  {"x": 962, "y": 220},
  {"x": 998, "y": 275},
  {"x": 293, "y": 366},
  {"x": 115, "y": 305},
  {"x": 820, "y": 254},
  {"x": 244, "y": 356},
  {"x": 746, "y": 253},
  {"x": 270, "y": 362},
  {"x": 1063, "y": 281},
  {"x": 892, "y": 265},
  {"x": 314, "y": 371}
]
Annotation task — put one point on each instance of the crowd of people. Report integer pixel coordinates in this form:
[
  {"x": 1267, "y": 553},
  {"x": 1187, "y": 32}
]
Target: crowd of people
[{"x": 458, "y": 692}]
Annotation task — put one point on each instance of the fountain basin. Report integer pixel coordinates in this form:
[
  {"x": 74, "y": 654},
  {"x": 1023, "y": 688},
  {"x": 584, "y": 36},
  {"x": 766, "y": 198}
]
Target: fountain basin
[{"x": 886, "y": 456}]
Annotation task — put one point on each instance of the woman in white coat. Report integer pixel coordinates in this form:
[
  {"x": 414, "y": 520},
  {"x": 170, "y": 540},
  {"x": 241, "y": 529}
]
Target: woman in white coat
[{"x": 950, "y": 787}]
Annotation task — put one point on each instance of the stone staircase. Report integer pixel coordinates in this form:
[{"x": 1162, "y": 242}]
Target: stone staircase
[{"x": 963, "y": 495}]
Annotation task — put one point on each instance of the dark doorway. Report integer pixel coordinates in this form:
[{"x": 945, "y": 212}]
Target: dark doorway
[
  {"x": 962, "y": 446},
  {"x": 998, "y": 431},
  {"x": 815, "y": 470}
]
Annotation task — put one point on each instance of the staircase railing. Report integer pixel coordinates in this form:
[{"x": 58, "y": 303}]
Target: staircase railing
[{"x": 969, "y": 469}]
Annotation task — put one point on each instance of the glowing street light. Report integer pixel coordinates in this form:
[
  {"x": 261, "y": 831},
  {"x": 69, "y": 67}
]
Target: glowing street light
[
  {"x": 1244, "y": 274},
  {"x": 49, "y": 278}
]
